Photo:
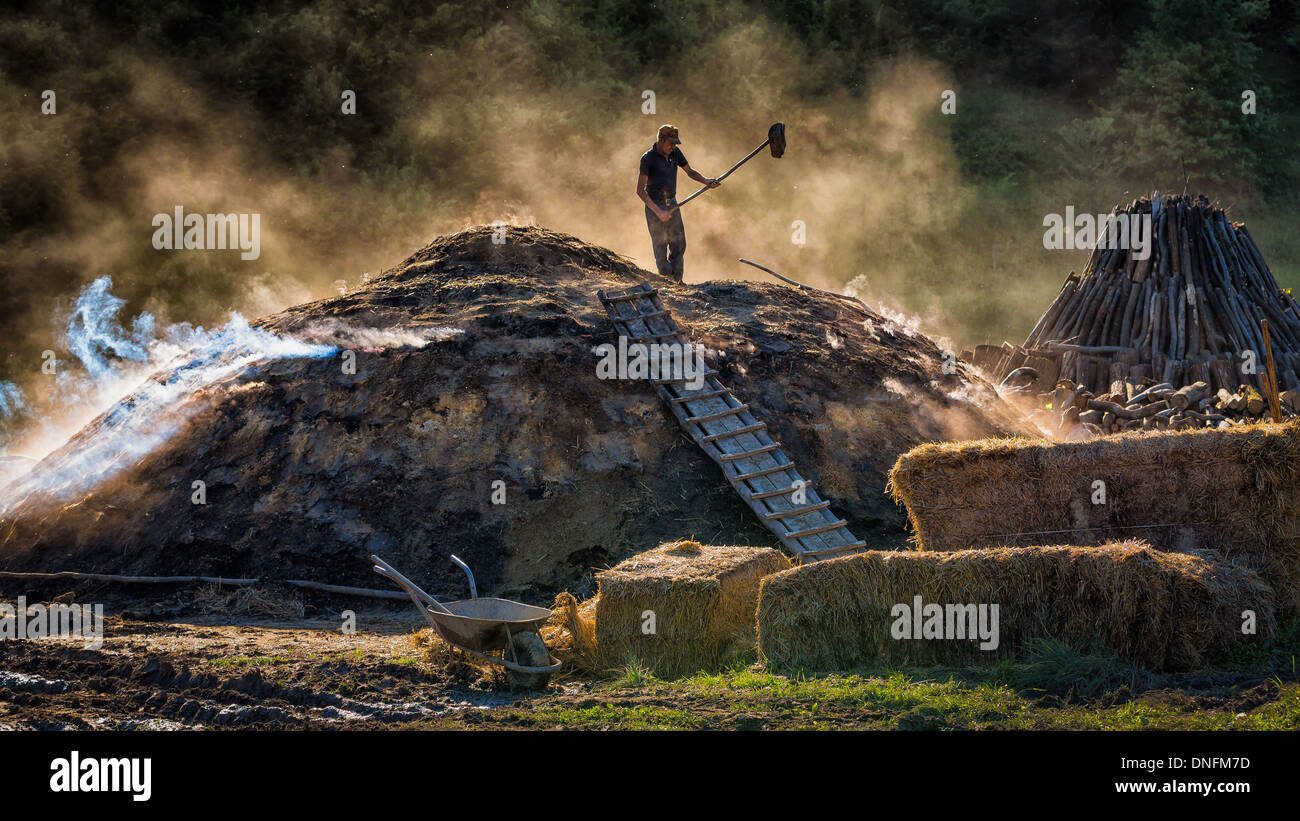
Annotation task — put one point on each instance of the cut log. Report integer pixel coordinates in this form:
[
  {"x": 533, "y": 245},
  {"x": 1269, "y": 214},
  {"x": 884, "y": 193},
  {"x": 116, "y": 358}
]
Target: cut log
[{"x": 1122, "y": 412}]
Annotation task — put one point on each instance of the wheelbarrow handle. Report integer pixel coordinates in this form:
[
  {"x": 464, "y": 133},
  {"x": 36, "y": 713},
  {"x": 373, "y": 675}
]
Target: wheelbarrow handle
[
  {"x": 417, "y": 595},
  {"x": 473, "y": 590}
]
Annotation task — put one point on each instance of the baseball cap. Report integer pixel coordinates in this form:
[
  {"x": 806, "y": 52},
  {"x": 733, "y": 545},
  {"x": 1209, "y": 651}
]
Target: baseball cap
[{"x": 669, "y": 132}]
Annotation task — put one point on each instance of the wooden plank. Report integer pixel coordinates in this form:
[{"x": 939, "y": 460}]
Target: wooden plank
[
  {"x": 651, "y": 337},
  {"x": 835, "y": 550},
  {"x": 710, "y": 417},
  {"x": 767, "y": 494},
  {"x": 731, "y": 457},
  {"x": 821, "y": 529},
  {"x": 713, "y": 437},
  {"x": 754, "y": 474},
  {"x": 801, "y": 511},
  {"x": 679, "y": 379},
  {"x": 677, "y": 400},
  {"x": 631, "y": 295}
]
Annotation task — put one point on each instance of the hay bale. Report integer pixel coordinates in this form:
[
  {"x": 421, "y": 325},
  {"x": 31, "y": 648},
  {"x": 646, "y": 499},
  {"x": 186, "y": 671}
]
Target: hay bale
[
  {"x": 1159, "y": 609},
  {"x": 1233, "y": 491},
  {"x": 703, "y": 598}
]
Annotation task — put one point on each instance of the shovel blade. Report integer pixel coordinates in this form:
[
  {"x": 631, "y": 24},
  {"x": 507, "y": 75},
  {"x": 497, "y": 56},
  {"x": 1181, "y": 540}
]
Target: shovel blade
[{"x": 776, "y": 139}]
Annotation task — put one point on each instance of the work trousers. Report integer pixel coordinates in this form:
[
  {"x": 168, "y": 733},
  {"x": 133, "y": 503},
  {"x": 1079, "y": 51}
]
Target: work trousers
[{"x": 669, "y": 240}]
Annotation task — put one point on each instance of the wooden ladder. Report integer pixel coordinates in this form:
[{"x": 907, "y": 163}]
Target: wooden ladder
[{"x": 726, "y": 430}]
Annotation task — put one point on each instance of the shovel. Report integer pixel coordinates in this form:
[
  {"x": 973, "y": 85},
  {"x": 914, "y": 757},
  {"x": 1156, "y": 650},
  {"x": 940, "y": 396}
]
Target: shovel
[{"x": 775, "y": 140}]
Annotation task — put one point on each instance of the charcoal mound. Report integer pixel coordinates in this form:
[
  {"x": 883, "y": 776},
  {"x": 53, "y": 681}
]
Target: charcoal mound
[{"x": 472, "y": 422}]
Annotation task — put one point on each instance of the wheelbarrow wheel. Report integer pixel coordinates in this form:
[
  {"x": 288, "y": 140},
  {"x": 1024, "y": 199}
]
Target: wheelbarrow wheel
[{"x": 529, "y": 651}]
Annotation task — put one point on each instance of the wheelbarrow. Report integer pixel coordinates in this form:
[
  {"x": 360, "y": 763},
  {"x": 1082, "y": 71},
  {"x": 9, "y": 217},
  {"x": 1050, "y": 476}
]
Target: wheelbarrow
[{"x": 481, "y": 627}]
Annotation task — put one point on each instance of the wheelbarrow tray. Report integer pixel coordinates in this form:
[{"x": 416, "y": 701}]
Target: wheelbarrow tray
[
  {"x": 477, "y": 626},
  {"x": 480, "y": 624}
]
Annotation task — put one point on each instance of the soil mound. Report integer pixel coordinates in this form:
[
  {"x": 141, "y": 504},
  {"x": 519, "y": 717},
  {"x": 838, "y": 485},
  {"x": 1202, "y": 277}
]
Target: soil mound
[{"x": 452, "y": 405}]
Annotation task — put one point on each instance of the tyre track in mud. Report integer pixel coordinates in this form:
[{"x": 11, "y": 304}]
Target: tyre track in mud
[{"x": 49, "y": 684}]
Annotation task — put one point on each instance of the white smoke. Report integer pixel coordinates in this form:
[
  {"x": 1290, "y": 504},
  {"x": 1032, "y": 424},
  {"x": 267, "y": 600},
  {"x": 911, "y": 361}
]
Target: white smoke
[
  {"x": 94, "y": 335},
  {"x": 11, "y": 400},
  {"x": 896, "y": 319},
  {"x": 141, "y": 380},
  {"x": 335, "y": 332}
]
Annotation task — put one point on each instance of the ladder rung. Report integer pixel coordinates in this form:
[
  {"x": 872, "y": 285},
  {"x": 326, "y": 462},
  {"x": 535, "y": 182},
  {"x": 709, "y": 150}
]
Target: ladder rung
[
  {"x": 710, "y": 417},
  {"x": 651, "y": 336},
  {"x": 732, "y": 457},
  {"x": 742, "y": 477},
  {"x": 630, "y": 296},
  {"x": 650, "y": 315},
  {"x": 727, "y": 434},
  {"x": 710, "y": 395},
  {"x": 813, "y": 531},
  {"x": 683, "y": 378},
  {"x": 829, "y": 551},
  {"x": 769, "y": 494},
  {"x": 785, "y": 514}
]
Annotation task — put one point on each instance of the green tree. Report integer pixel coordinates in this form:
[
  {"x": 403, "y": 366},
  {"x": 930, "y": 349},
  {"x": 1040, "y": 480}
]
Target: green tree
[{"x": 1177, "y": 97}]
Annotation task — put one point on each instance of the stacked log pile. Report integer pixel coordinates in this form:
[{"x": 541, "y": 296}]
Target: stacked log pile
[
  {"x": 1189, "y": 313},
  {"x": 1071, "y": 411}
]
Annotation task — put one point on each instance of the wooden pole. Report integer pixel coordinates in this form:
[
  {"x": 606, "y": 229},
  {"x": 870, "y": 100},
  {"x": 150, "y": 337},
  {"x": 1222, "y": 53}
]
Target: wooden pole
[
  {"x": 72, "y": 575},
  {"x": 1274, "y": 406},
  {"x": 347, "y": 591},
  {"x": 109, "y": 577}
]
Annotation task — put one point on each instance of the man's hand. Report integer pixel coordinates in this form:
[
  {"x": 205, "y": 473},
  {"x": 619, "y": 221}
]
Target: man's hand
[
  {"x": 663, "y": 215},
  {"x": 713, "y": 182}
]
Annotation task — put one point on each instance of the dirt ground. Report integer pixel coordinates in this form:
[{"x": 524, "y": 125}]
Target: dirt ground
[
  {"x": 164, "y": 667},
  {"x": 200, "y": 674},
  {"x": 210, "y": 671}
]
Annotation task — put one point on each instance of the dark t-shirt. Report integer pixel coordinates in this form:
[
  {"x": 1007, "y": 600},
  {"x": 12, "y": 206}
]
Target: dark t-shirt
[{"x": 662, "y": 173}]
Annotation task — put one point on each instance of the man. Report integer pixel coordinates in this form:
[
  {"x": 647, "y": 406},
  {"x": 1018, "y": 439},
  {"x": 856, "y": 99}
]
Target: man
[{"x": 657, "y": 188}]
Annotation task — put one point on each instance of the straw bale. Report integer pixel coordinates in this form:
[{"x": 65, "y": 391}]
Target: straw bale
[
  {"x": 703, "y": 598},
  {"x": 1233, "y": 491},
  {"x": 1160, "y": 609}
]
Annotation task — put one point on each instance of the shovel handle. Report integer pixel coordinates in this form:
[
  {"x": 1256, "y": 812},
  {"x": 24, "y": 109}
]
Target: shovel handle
[{"x": 725, "y": 174}]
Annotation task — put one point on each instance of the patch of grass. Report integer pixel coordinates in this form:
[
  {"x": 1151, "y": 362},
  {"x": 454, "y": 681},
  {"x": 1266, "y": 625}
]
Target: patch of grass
[
  {"x": 1278, "y": 656},
  {"x": 634, "y": 673},
  {"x": 622, "y": 717},
  {"x": 1005, "y": 697},
  {"x": 884, "y": 697},
  {"x": 1052, "y": 666},
  {"x": 1098, "y": 693}
]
